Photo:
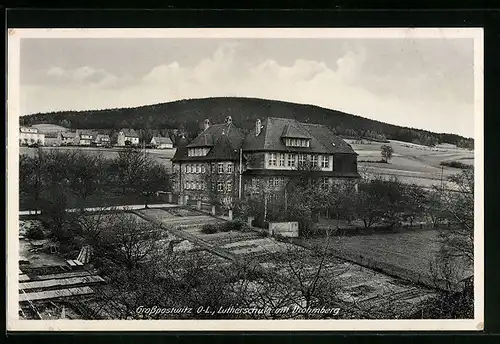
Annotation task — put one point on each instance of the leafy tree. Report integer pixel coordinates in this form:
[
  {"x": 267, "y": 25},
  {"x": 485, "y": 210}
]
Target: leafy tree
[{"x": 386, "y": 152}]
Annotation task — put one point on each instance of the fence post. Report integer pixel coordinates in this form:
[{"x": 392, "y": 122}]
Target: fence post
[
  {"x": 198, "y": 204},
  {"x": 180, "y": 200},
  {"x": 250, "y": 220},
  {"x": 169, "y": 197},
  {"x": 213, "y": 210},
  {"x": 230, "y": 214}
]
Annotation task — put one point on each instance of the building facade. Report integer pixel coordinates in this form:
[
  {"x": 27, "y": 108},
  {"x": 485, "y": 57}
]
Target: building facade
[
  {"x": 127, "y": 137},
  {"x": 66, "y": 138},
  {"x": 161, "y": 142},
  {"x": 208, "y": 168},
  {"x": 222, "y": 161},
  {"x": 279, "y": 149},
  {"x": 29, "y": 136}
]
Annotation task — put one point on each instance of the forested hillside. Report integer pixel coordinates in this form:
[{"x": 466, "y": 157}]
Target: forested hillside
[{"x": 187, "y": 116}]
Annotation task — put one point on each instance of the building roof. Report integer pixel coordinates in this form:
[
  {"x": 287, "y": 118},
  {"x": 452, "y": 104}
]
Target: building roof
[
  {"x": 225, "y": 141},
  {"x": 322, "y": 139},
  {"x": 68, "y": 134},
  {"x": 129, "y": 132},
  {"x": 162, "y": 140},
  {"x": 209, "y": 136},
  {"x": 24, "y": 129}
]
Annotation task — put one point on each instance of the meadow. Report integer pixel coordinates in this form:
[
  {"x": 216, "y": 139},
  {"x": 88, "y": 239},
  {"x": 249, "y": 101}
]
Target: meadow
[
  {"x": 411, "y": 163},
  {"x": 163, "y": 156}
]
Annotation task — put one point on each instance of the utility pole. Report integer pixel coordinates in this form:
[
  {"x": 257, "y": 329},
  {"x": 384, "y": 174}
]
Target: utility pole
[{"x": 241, "y": 171}]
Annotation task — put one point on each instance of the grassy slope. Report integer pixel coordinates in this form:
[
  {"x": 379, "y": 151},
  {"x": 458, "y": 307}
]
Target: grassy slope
[{"x": 412, "y": 163}]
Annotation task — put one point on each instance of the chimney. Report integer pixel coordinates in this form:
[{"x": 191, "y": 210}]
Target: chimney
[
  {"x": 229, "y": 120},
  {"x": 258, "y": 127},
  {"x": 206, "y": 124}
]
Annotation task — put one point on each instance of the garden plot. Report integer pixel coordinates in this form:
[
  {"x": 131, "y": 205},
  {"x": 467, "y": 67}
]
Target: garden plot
[
  {"x": 257, "y": 247},
  {"x": 220, "y": 238}
]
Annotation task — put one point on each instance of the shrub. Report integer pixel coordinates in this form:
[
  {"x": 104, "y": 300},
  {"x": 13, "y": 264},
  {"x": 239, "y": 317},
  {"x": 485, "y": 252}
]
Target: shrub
[
  {"x": 35, "y": 233},
  {"x": 456, "y": 164},
  {"x": 209, "y": 229}
]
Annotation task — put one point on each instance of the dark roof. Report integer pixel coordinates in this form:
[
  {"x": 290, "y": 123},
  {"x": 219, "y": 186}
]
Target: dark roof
[
  {"x": 225, "y": 141},
  {"x": 129, "y": 132},
  {"x": 51, "y": 135},
  {"x": 209, "y": 137},
  {"x": 292, "y": 130},
  {"x": 162, "y": 140},
  {"x": 322, "y": 139},
  {"x": 68, "y": 134}
]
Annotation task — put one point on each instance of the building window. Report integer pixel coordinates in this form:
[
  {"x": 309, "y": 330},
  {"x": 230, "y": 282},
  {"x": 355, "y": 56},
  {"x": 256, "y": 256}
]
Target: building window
[
  {"x": 213, "y": 186},
  {"x": 220, "y": 186},
  {"x": 188, "y": 167},
  {"x": 202, "y": 168},
  {"x": 276, "y": 182},
  {"x": 214, "y": 168},
  {"x": 272, "y": 159},
  {"x": 220, "y": 167},
  {"x": 302, "y": 158},
  {"x": 325, "y": 183},
  {"x": 229, "y": 186},
  {"x": 291, "y": 160},
  {"x": 314, "y": 160},
  {"x": 325, "y": 161},
  {"x": 230, "y": 167},
  {"x": 282, "y": 160},
  {"x": 186, "y": 186}
]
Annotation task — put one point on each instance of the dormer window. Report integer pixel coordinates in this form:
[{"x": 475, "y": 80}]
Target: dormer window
[
  {"x": 198, "y": 151},
  {"x": 290, "y": 142}
]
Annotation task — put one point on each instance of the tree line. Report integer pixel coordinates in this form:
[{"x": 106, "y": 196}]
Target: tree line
[{"x": 187, "y": 116}]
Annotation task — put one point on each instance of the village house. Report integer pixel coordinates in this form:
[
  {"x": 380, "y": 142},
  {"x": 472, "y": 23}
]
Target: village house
[
  {"x": 127, "y": 137},
  {"x": 83, "y": 137},
  {"x": 51, "y": 139},
  {"x": 101, "y": 138},
  {"x": 161, "y": 142},
  {"x": 66, "y": 138},
  {"x": 269, "y": 156},
  {"x": 29, "y": 136}
]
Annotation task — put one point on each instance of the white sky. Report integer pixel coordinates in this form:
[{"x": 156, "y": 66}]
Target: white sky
[{"x": 421, "y": 83}]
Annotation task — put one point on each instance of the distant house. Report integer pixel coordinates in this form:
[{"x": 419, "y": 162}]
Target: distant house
[
  {"x": 102, "y": 139},
  {"x": 83, "y": 137},
  {"x": 29, "y": 136},
  {"x": 127, "y": 137},
  {"x": 51, "y": 139},
  {"x": 66, "y": 138},
  {"x": 162, "y": 142}
]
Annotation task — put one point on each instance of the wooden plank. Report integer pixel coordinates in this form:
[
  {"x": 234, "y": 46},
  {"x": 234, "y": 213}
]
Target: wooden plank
[
  {"x": 64, "y": 282},
  {"x": 78, "y": 262},
  {"x": 71, "y": 263},
  {"x": 63, "y": 275},
  {"x": 55, "y": 294},
  {"x": 23, "y": 278}
]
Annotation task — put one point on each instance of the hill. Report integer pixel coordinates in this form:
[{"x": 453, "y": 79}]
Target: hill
[{"x": 188, "y": 115}]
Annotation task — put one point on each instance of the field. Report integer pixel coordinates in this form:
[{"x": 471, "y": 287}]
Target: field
[
  {"x": 411, "y": 163},
  {"x": 162, "y": 156},
  {"x": 407, "y": 253}
]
